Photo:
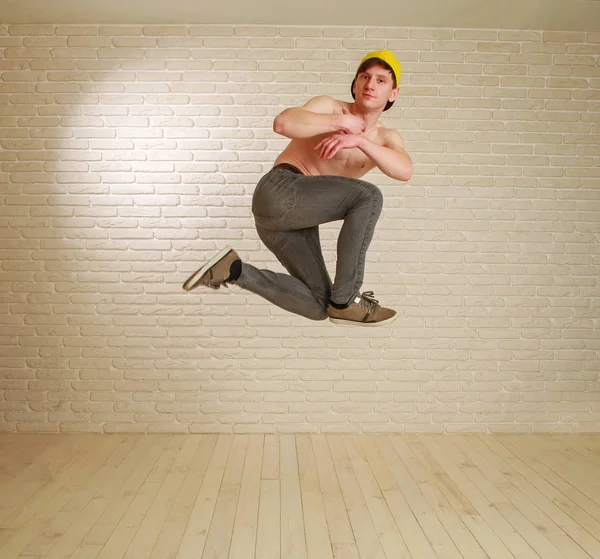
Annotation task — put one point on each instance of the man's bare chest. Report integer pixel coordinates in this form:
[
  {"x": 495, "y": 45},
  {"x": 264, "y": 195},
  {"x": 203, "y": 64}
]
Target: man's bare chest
[{"x": 346, "y": 162}]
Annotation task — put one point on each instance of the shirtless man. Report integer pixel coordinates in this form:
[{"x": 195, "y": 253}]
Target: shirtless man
[{"x": 316, "y": 180}]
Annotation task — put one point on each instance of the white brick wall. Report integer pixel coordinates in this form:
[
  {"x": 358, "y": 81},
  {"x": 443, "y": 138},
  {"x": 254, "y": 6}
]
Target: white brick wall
[{"x": 129, "y": 154}]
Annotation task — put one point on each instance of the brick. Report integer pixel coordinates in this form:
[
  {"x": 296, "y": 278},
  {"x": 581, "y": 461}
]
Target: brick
[
  {"x": 563, "y": 36},
  {"x": 463, "y": 46},
  {"x": 120, "y": 30},
  {"x": 165, "y": 30},
  {"x": 81, "y": 30},
  {"x": 476, "y": 35},
  {"x": 545, "y": 47},
  {"x": 292, "y": 31},
  {"x": 30, "y": 30},
  {"x": 520, "y": 36},
  {"x": 583, "y": 49}
]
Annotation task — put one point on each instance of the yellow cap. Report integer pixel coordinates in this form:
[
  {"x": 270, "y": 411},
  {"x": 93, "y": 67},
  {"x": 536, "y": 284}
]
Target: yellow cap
[{"x": 386, "y": 56}]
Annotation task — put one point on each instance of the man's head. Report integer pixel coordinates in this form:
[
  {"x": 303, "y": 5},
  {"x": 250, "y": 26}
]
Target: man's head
[{"x": 379, "y": 69}]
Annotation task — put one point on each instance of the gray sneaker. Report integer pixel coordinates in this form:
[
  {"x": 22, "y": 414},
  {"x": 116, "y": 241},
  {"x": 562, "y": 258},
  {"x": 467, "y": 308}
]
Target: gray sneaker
[
  {"x": 214, "y": 272},
  {"x": 363, "y": 311}
]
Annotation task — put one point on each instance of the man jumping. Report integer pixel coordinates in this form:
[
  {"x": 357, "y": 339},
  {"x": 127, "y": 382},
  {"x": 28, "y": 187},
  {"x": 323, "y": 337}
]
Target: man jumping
[{"x": 316, "y": 180}]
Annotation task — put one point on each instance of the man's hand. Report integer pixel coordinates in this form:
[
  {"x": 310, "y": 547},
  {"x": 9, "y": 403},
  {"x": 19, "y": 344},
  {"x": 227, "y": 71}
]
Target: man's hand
[
  {"x": 330, "y": 145},
  {"x": 351, "y": 124}
]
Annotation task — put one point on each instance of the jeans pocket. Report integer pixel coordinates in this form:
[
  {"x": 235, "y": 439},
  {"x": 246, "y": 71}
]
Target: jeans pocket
[{"x": 273, "y": 197}]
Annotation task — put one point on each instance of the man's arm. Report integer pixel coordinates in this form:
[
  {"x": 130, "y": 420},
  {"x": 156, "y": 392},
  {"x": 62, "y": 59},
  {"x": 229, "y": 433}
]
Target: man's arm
[
  {"x": 390, "y": 157},
  {"x": 321, "y": 115}
]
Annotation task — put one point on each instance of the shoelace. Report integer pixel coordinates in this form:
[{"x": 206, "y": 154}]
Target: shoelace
[{"x": 368, "y": 301}]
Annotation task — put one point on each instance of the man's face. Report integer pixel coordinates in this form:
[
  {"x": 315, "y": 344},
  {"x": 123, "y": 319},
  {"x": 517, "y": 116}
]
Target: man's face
[{"x": 375, "y": 87}]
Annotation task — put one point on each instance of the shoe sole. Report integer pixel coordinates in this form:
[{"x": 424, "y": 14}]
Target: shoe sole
[
  {"x": 192, "y": 281},
  {"x": 357, "y": 323}
]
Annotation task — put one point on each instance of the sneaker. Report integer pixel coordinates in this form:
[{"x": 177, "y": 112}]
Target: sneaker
[
  {"x": 214, "y": 272},
  {"x": 363, "y": 311}
]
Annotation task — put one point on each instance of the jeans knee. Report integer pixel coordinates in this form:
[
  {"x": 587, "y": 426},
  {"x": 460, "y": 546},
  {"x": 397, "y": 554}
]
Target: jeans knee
[
  {"x": 318, "y": 311},
  {"x": 377, "y": 196},
  {"x": 371, "y": 194},
  {"x": 318, "y": 314}
]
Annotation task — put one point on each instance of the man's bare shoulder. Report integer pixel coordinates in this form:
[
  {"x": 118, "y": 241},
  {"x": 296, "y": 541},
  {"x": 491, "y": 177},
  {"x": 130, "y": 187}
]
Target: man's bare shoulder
[
  {"x": 391, "y": 138},
  {"x": 323, "y": 104}
]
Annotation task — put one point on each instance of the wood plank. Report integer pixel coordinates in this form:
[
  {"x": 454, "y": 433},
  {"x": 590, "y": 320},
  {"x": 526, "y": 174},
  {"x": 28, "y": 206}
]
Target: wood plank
[
  {"x": 58, "y": 487},
  {"x": 171, "y": 533},
  {"x": 149, "y": 530},
  {"x": 219, "y": 536},
  {"x": 577, "y": 501},
  {"x": 121, "y": 538},
  {"x": 570, "y": 502},
  {"x": 510, "y": 503},
  {"x": 270, "y": 467},
  {"x": 552, "y": 521},
  {"x": 293, "y": 543},
  {"x": 18, "y": 451},
  {"x": 581, "y": 448},
  {"x": 336, "y": 513},
  {"x": 389, "y": 536},
  {"x": 345, "y": 551},
  {"x": 50, "y": 501},
  {"x": 453, "y": 523},
  {"x": 5, "y": 535},
  {"x": 318, "y": 544},
  {"x": 64, "y": 533},
  {"x": 578, "y": 472},
  {"x": 486, "y": 508},
  {"x": 478, "y": 527},
  {"x": 416, "y": 541},
  {"x": 395, "y": 456},
  {"x": 49, "y": 470},
  {"x": 268, "y": 538},
  {"x": 365, "y": 533},
  {"x": 243, "y": 540},
  {"x": 84, "y": 552},
  {"x": 119, "y": 492},
  {"x": 194, "y": 537}
]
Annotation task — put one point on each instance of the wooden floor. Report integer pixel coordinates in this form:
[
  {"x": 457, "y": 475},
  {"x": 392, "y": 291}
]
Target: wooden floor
[{"x": 299, "y": 496}]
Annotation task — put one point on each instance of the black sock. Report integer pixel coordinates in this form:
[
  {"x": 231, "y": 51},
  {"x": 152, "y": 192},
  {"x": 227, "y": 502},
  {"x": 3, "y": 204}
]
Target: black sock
[
  {"x": 234, "y": 270},
  {"x": 338, "y": 306}
]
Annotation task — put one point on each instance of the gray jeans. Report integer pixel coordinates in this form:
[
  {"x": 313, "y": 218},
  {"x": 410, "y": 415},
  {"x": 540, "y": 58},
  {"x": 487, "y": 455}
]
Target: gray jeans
[{"x": 288, "y": 208}]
